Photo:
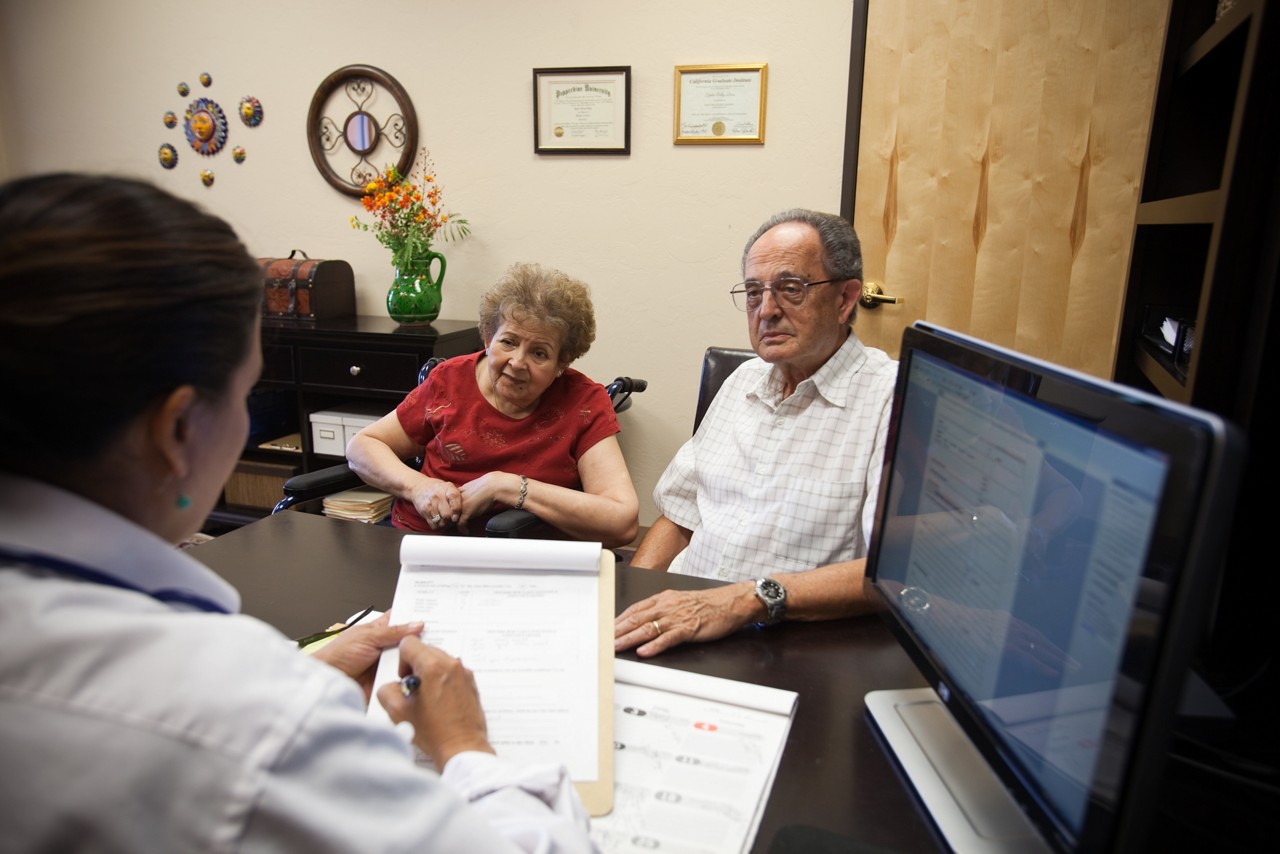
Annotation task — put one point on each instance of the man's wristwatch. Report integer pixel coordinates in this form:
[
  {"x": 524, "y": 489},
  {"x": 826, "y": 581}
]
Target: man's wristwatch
[{"x": 774, "y": 598}]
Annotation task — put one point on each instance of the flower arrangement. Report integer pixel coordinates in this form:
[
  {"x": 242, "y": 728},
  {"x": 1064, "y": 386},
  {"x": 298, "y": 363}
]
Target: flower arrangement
[{"x": 407, "y": 216}]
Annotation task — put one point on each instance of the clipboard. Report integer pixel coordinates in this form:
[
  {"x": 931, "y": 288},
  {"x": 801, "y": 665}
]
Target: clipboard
[
  {"x": 523, "y": 615},
  {"x": 597, "y": 795}
]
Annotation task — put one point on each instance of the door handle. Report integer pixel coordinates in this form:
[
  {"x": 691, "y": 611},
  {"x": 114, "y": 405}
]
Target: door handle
[{"x": 873, "y": 295}]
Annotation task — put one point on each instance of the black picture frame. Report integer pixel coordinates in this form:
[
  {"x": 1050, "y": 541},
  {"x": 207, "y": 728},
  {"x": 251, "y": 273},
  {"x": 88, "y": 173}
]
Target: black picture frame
[{"x": 582, "y": 110}]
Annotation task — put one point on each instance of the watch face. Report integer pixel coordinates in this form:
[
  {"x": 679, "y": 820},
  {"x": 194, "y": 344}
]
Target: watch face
[{"x": 774, "y": 597}]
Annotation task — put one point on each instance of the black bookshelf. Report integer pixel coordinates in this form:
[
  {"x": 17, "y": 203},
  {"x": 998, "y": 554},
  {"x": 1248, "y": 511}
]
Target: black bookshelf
[{"x": 1197, "y": 327}]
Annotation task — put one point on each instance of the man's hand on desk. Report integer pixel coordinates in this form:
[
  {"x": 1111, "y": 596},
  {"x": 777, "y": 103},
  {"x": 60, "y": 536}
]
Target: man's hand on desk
[
  {"x": 355, "y": 651},
  {"x": 672, "y": 617}
]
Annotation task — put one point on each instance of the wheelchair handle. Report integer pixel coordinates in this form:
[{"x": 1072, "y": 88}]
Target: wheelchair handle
[{"x": 621, "y": 389}]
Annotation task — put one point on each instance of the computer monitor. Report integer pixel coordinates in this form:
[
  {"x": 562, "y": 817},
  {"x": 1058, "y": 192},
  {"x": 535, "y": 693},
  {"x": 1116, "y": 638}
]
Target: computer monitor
[{"x": 1045, "y": 548}]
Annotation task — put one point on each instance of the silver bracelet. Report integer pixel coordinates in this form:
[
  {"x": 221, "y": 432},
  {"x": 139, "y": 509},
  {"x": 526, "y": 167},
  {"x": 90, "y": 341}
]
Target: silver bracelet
[{"x": 524, "y": 492}]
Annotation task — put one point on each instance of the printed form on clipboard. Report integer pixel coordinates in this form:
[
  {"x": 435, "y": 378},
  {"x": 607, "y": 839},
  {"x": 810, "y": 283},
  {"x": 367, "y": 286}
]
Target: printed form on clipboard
[
  {"x": 696, "y": 757},
  {"x": 533, "y": 619}
]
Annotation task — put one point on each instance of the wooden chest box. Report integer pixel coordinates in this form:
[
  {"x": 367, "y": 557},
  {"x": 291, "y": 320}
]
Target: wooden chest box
[{"x": 303, "y": 288}]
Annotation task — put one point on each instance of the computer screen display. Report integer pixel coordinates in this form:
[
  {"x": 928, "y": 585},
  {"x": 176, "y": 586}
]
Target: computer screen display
[{"x": 1044, "y": 544}]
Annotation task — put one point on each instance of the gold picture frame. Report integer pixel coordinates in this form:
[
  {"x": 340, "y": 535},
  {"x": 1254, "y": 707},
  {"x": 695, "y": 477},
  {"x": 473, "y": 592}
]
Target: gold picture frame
[{"x": 720, "y": 104}]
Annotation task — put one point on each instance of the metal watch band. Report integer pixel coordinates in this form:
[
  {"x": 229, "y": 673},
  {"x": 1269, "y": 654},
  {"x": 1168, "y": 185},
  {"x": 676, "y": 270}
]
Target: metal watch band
[{"x": 774, "y": 598}]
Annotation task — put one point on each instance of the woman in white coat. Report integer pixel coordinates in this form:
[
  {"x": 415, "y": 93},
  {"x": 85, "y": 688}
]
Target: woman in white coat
[{"x": 138, "y": 710}]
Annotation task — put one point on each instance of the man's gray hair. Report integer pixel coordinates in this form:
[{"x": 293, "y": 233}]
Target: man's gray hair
[{"x": 841, "y": 251}]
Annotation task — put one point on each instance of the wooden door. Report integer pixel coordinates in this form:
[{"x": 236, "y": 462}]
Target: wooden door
[{"x": 999, "y": 158}]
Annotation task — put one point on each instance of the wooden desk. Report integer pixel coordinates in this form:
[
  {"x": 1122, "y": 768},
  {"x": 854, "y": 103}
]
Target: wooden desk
[{"x": 836, "y": 789}]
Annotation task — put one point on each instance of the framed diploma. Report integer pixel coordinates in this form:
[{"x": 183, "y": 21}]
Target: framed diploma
[
  {"x": 582, "y": 110},
  {"x": 720, "y": 103}
]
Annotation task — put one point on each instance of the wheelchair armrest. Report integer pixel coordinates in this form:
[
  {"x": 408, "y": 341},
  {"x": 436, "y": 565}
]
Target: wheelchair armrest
[
  {"x": 511, "y": 523},
  {"x": 315, "y": 484}
]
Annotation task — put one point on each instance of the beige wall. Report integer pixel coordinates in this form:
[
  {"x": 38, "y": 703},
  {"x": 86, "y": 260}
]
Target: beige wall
[
  {"x": 1027, "y": 245},
  {"x": 658, "y": 234}
]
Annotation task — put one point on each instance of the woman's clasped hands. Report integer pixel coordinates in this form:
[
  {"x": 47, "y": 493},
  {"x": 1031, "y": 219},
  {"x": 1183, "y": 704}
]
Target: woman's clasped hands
[
  {"x": 440, "y": 503},
  {"x": 445, "y": 505}
]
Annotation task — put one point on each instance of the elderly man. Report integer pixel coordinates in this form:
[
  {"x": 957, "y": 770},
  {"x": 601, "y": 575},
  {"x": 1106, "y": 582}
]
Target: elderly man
[{"x": 777, "y": 489}]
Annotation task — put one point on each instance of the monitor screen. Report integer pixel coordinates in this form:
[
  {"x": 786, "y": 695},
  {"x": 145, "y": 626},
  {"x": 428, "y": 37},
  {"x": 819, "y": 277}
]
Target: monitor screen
[{"x": 1045, "y": 546}]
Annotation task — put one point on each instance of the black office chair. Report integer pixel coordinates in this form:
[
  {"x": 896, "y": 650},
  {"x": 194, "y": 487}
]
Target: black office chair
[
  {"x": 717, "y": 364},
  {"x": 312, "y": 486}
]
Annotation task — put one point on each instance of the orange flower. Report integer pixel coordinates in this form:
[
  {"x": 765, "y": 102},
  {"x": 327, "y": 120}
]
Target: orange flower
[{"x": 408, "y": 215}]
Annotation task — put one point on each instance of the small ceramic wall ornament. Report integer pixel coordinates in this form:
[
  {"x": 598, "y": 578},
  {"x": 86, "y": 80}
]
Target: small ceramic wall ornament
[
  {"x": 206, "y": 127},
  {"x": 251, "y": 111}
]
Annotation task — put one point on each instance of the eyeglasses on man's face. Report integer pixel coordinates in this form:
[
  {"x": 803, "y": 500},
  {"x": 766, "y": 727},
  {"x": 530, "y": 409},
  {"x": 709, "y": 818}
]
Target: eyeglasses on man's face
[{"x": 748, "y": 295}]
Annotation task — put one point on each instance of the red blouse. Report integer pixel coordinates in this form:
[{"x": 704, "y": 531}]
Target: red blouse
[{"x": 465, "y": 437}]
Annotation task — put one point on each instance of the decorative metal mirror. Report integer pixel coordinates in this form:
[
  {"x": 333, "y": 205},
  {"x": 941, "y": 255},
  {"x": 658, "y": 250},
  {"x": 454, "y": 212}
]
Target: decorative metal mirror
[{"x": 351, "y": 151}]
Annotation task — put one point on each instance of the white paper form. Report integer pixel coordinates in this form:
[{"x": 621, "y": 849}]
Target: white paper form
[
  {"x": 694, "y": 759},
  {"x": 523, "y": 615}
]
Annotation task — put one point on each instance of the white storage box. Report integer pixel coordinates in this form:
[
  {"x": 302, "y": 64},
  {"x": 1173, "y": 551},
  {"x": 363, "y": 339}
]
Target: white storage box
[
  {"x": 331, "y": 429},
  {"x": 351, "y": 424},
  {"x": 327, "y": 435}
]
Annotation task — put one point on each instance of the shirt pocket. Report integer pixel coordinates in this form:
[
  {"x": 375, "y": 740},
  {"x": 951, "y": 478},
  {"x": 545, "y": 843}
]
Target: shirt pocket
[{"x": 817, "y": 522}]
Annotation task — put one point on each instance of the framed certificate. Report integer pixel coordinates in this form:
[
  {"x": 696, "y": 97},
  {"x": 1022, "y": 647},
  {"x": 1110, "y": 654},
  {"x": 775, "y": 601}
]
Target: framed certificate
[
  {"x": 720, "y": 103},
  {"x": 582, "y": 110}
]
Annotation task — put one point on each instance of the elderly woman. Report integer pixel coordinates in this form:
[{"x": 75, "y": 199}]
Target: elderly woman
[
  {"x": 138, "y": 710},
  {"x": 511, "y": 426}
]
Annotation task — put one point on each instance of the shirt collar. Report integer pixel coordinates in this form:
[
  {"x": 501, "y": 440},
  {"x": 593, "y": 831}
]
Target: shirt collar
[
  {"x": 40, "y": 518},
  {"x": 832, "y": 381}
]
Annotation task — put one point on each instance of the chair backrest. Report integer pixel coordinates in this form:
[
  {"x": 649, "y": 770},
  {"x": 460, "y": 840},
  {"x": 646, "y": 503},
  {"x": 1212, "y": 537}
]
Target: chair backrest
[{"x": 717, "y": 364}]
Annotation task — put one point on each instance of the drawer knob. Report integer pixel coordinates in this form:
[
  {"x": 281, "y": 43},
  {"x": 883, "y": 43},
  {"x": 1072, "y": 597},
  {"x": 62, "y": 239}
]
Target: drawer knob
[{"x": 355, "y": 370}]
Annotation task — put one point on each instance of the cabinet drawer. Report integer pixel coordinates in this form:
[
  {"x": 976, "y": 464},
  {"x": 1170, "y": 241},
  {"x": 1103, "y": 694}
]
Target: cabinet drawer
[
  {"x": 277, "y": 363},
  {"x": 359, "y": 369}
]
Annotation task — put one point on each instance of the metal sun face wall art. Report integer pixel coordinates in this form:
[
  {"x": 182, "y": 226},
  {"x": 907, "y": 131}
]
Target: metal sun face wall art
[{"x": 205, "y": 126}]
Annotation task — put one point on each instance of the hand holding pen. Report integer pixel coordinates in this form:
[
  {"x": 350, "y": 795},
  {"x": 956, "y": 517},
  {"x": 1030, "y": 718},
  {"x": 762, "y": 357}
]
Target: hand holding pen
[
  {"x": 438, "y": 695},
  {"x": 356, "y": 649}
]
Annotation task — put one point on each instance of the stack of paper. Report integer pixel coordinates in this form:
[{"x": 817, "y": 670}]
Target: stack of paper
[
  {"x": 292, "y": 442},
  {"x": 695, "y": 759},
  {"x": 362, "y": 504}
]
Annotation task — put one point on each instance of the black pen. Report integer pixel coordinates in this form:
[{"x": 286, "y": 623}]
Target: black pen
[
  {"x": 409, "y": 684},
  {"x": 319, "y": 636}
]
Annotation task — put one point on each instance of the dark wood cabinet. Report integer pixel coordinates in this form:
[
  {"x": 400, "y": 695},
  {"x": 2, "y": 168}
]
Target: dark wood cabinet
[
  {"x": 1206, "y": 257},
  {"x": 314, "y": 366}
]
